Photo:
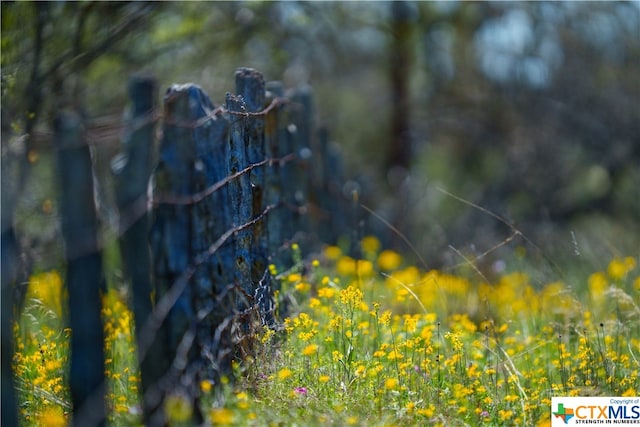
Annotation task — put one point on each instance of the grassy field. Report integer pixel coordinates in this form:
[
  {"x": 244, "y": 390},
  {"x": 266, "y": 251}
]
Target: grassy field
[{"x": 376, "y": 342}]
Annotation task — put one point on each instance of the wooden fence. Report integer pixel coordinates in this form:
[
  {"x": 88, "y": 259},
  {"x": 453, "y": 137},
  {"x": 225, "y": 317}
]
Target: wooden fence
[{"x": 202, "y": 213}]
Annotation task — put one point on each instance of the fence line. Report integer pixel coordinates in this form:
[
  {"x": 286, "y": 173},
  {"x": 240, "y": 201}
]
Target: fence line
[
  {"x": 200, "y": 218},
  {"x": 231, "y": 185}
]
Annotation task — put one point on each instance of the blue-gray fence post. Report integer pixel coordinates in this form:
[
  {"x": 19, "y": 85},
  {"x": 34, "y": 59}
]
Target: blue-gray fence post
[
  {"x": 191, "y": 213},
  {"x": 9, "y": 254},
  {"x": 213, "y": 279},
  {"x": 132, "y": 170},
  {"x": 240, "y": 197},
  {"x": 301, "y": 135},
  {"x": 327, "y": 189},
  {"x": 250, "y": 85},
  {"x": 279, "y": 176},
  {"x": 84, "y": 275}
]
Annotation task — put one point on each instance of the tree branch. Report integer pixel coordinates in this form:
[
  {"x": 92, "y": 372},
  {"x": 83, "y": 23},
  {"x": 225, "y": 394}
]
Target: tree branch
[{"x": 74, "y": 63}]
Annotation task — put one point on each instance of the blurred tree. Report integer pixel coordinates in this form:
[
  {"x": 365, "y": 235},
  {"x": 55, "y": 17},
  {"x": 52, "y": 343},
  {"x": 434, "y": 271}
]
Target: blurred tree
[
  {"x": 403, "y": 18},
  {"x": 48, "y": 50},
  {"x": 534, "y": 110}
]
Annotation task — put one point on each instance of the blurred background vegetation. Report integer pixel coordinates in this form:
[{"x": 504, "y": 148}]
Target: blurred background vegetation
[{"x": 530, "y": 110}]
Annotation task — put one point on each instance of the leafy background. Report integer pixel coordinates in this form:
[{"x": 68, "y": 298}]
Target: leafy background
[{"x": 526, "y": 109}]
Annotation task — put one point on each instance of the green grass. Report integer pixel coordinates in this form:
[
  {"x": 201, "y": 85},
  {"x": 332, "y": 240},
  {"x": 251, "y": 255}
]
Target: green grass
[{"x": 376, "y": 342}]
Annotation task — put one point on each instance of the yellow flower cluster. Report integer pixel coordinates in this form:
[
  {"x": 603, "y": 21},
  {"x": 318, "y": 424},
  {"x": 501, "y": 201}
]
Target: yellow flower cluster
[
  {"x": 42, "y": 351},
  {"x": 121, "y": 360},
  {"x": 47, "y": 289},
  {"x": 376, "y": 341},
  {"x": 435, "y": 347}
]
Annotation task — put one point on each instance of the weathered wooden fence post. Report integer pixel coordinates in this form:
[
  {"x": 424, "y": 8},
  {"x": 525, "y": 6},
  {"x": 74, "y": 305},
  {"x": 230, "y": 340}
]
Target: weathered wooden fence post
[
  {"x": 300, "y": 132},
  {"x": 9, "y": 254},
  {"x": 84, "y": 277},
  {"x": 193, "y": 260},
  {"x": 240, "y": 195},
  {"x": 327, "y": 191},
  {"x": 250, "y": 85},
  {"x": 278, "y": 144},
  {"x": 132, "y": 170}
]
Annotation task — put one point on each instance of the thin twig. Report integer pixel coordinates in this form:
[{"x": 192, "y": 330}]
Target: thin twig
[
  {"x": 509, "y": 224},
  {"x": 408, "y": 289},
  {"x": 398, "y": 232},
  {"x": 470, "y": 262}
]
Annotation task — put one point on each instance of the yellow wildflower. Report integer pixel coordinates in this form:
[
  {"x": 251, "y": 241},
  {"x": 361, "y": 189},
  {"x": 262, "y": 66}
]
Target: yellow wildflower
[
  {"x": 314, "y": 303},
  {"x": 332, "y": 252},
  {"x": 394, "y": 355},
  {"x": 205, "y": 386},
  {"x": 52, "y": 416},
  {"x": 389, "y": 260},
  {"x": 351, "y": 296},
  {"x": 370, "y": 245},
  {"x": 391, "y": 384},
  {"x": 243, "y": 400},
  {"x": 346, "y": 266},
  {"x": 427, "y": 412},
  {"x": 273, "y": 270},
  {"x": 385, "y": 318},
  {"x": 294, "y": 277},
  {"x": 302, "y": 287},
  {"x": 326, "y": 292},
  {"x": 178, "y": 408},
  {"x": 310, "y": 350},
  {"x": 221, "y": 416},
  {"x": 598, "y": 283},
  {"x": 619, "y": 267},
  {"x": 284, "y": 373}
]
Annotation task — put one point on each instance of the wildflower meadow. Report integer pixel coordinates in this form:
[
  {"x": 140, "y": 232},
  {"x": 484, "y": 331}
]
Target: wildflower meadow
[{"x": 374, "y": 341}]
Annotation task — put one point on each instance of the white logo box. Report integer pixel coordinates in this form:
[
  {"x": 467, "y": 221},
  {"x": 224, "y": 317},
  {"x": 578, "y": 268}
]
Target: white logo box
[{"x": 576, "y": 411}]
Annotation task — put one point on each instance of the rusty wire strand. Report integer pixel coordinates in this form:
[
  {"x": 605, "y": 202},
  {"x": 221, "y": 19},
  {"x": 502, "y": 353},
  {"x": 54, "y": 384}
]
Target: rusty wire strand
[
  {"x": 109, "y": 128},
  {"x": 198, "y": 197}
]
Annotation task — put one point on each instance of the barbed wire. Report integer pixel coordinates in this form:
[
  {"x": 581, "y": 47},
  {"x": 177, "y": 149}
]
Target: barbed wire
[
  {"x": 110, "y": 128},
  {"x": 201, "y": 195},
  {"x": 103, "y": 128}
]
